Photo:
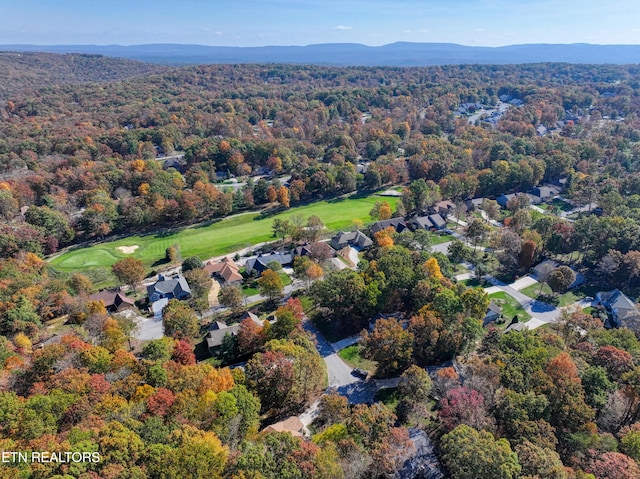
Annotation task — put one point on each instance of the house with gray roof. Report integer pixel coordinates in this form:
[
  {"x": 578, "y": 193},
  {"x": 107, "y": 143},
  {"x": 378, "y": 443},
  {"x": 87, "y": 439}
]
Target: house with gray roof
[
  {"x": 437, "y": 221},
  {"x": 169, "y": 288},
  {"x": 493, "y": 312},
  {"x": 261, "y": 262},
  {"x": 421, "y": 223},
  {"x": 355, "y": 239},
  {"x": 621, "y": 310}
]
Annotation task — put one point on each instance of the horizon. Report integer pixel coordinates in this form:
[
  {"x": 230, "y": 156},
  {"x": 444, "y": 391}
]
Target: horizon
[
  {"x": 472, "y": 23},
  {"x": 125, "y": 45}
]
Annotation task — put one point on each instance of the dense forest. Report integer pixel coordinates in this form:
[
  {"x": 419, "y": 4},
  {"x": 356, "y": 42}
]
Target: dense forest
[
  {"x": 80, "y": 163},
  {"x": 31, "y": 71}
]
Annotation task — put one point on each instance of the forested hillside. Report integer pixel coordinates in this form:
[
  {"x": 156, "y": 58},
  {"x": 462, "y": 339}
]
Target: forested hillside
[{"x": 20, "y": 71}]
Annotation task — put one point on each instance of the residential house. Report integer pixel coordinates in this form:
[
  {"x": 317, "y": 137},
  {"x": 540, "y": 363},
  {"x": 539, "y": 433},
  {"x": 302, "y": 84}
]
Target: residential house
[
  {"x": 421, "y": 223},
  {"x": 621, "y": 310},
  {"x": 261, "y": 262},
  {"x": 226, "y": 271},
  {"x": 542, "y": 270},
  {"x": 493, "y": 312},
  {"x": 437, "y": 221},
  {"x": 169, "y": 288},
  {"x": 355, "y": 239},
  {"x": 114, "y": 300},
  {"x": 516, "y": 326},
  {"x": 503, "y": 199},
  {"x": 293, "y": 425},
  {"x": 397, "y": 224},
  {"x": 318, "y": 250},
  {"x": 218, "y": 330},
  {"x": 544, "y": 193},
  {"x": 472, "y": 204},
  {"x": 444, "y": 207}
]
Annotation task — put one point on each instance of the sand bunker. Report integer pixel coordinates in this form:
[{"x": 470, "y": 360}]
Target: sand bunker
[{"x": 128, "y": 249}]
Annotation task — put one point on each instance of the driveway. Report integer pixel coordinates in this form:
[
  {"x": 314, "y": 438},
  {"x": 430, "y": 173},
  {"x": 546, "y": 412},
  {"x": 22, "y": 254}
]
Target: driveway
[
  {"x": 523, "y": 283},
  {"x": 542, "y": 312},
  {"x": 339, "y": 373}
]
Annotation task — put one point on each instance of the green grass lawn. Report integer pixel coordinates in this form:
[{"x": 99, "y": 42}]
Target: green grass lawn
[
  {"x": 564, "y": 299},
  {"x": 510, "y": 307},
  {"x": 351, "y": 356},
  {"x": 225, "y": 236},
  {"x": 533, "y": 290},
  {"x": 286, "y": 280},
  {"x": 444, "y": 238},
  {"x": 562, "y": 205}
]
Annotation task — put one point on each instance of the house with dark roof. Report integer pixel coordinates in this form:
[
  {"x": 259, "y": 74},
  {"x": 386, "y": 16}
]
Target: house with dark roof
[
  {"x": 472, "y": 204},
  {"x": 420, "y": 223},
  {"x": 169, "y": 288},
  {"x": 226, "y": 271},
  {"x": 319, "y": 249},
  {"x": 261, "y": 262},
  {"x": 218, "y": 330},
  {"x": 437, "y": 221},
  {"x": 503, "y": 199},
  {"x": 621, "y": 310},
  {"x": 355, "y": 239},
  {"x": 113, "y": 299},
  {"x": 396, "y": 223}
]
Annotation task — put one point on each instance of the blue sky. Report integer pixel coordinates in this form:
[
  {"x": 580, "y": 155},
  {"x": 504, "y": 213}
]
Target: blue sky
[{"x": 288, "y": 22}]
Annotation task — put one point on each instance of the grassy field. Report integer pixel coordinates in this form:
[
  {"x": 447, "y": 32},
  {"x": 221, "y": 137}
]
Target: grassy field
[
  {"x": 510, "y": 307},
  {"x": 351, "y": 355},
  {"x": 225, "y": 236},
  {"x": 565, "y": 299}
]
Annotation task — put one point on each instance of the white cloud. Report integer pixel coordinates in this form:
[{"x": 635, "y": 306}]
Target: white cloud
[
  {"x": 342, "y": 27},
  {"x": 219, "y": 33}
]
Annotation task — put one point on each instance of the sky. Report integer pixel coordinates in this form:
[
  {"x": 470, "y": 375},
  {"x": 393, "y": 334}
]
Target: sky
[{"x": 305, "y": 22}]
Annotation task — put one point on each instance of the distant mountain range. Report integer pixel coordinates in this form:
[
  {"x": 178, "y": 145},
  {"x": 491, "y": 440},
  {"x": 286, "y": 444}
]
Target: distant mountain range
[{"x": 353, "y": 54}]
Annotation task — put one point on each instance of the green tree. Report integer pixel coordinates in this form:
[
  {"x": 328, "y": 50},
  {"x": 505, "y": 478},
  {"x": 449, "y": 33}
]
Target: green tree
[
  {"x": 470, "y": 454},
  {"x": 19, "y": 317},
  {"x": 179, "y": 320},
  {"x": 52, "y": 222},
  {"x": 192, "y": 262},
  {"x": 477, "y": 231},
  {"x": 561, "y": 278},
  {"x": 158, "y": 349}
]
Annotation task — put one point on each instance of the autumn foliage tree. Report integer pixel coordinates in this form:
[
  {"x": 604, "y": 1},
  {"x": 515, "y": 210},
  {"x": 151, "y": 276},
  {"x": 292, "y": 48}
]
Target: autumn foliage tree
[
  {"x": 389, "y": 344},
  {"x": 270, "y": 284},
  {"x": 129, "y": 271}
]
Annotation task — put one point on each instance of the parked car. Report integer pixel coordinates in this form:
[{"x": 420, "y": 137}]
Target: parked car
[{"x": 360, "y": 373}]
